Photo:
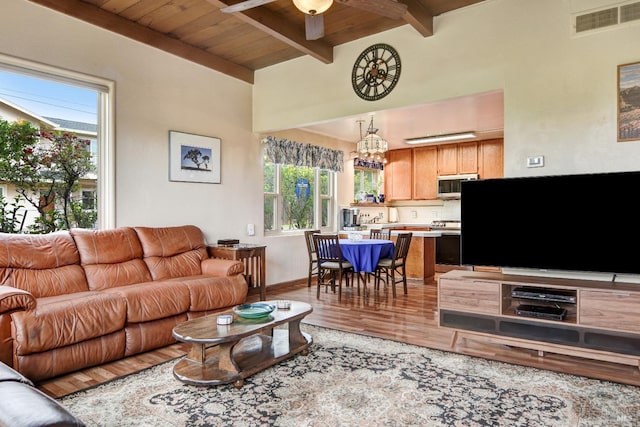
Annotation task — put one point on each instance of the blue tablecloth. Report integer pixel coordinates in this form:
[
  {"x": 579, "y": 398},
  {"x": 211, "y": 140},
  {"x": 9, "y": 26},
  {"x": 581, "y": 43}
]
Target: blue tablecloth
[{"x": 364, "y": 254}]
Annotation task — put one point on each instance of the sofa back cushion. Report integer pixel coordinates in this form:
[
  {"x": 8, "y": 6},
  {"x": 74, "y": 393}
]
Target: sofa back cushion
[
  {"x": 111, "y": 258},
  {"x": 43, "y": 264},
  {"x": 172, "y": 252}
]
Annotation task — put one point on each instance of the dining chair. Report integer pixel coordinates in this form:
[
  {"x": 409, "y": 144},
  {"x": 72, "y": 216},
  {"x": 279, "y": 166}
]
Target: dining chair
[
  {"x": 394, "y": 268},
  {"x": 331, "y": 266},
  {"x": 380, "y": 233},
  {"x": 311, "y": 250}
]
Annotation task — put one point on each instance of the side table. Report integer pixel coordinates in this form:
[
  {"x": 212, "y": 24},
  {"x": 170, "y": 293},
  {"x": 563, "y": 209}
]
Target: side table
[{"x": 253, "y": 257}]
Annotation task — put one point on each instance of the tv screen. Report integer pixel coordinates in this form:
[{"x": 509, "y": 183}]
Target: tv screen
[{"x": 566, "y": 222}]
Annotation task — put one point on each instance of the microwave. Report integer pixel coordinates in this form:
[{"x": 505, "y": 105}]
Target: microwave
[{"x": 449, "y": 186}]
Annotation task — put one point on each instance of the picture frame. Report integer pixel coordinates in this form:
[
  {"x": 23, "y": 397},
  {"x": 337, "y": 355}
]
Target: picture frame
[
  {"x": 629, "y": 102},
  {"x": 194, "y": 158}
]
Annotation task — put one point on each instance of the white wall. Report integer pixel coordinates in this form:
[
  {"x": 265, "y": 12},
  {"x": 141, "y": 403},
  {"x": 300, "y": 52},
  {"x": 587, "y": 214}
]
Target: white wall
[
  {"x": 155, "y": 92},
  {"x": 559, "y": 90}
]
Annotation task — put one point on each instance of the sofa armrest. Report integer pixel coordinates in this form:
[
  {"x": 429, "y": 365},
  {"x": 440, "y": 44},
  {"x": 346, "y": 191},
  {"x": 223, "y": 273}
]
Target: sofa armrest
[
  {"x": 12, "y": 299},
  {"x": 221, "y": 267}
]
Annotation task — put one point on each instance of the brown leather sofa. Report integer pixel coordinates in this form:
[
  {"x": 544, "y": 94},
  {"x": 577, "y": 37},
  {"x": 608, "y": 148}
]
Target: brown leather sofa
[
  {"x": 23, "y": 405},
  {"x": 71, "y": 300}
]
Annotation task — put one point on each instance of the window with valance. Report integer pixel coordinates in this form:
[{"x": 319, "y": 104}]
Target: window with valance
[{"x": 299, "y": 183}]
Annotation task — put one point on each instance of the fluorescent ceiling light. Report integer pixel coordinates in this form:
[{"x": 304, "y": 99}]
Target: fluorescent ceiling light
[{"x": 441, "y": 138}]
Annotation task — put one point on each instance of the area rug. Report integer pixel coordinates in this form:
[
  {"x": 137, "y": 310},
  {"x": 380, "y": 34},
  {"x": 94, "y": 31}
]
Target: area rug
[{"x": 353, "y": 380}]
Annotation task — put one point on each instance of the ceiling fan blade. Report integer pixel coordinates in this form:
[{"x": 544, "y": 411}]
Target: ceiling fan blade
[
  {"x": 389, "y": 8},
  {"x": 314, "y": 26},
  {"x": 244, "y": 5}
]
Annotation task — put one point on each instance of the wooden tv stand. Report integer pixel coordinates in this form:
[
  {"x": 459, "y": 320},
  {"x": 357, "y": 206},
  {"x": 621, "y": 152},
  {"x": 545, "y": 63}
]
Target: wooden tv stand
[{"x": 602, "y": 318}]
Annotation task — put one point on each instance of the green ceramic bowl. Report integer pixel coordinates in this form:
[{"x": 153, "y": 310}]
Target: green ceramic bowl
[{"x": 254, "y": 310}]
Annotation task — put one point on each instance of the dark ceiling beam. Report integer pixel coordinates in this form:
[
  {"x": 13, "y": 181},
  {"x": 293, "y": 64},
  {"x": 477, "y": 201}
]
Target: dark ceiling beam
[
  {"x": 418, "y": 17},
  {"x": 96, "y": 16},
  {"x": 276, "y": 26}
]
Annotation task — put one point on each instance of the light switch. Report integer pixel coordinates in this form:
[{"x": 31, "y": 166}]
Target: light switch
[
  {"x": 535, "y": 161},
  {"x": 251, "y": 229}
]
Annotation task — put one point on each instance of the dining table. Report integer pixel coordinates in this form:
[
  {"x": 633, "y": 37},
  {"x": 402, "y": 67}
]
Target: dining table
[{"x": 364, "y": 254}]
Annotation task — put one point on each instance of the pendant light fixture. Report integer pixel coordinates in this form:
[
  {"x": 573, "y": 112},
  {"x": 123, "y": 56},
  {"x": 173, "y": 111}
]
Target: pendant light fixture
[{"x": 372, "y": 145}]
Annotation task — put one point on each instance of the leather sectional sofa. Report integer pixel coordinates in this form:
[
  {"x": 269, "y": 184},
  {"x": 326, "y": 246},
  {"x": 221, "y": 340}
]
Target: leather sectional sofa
[{"x": 80, "y": 298}]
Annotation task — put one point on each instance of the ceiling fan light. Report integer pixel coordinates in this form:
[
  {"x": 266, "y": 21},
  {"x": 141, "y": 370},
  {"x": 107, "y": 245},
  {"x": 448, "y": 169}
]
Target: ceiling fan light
[{"x": 313, "y": 7}]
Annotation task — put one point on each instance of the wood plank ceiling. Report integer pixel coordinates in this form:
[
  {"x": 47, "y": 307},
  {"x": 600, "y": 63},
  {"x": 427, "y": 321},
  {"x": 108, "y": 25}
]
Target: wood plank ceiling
[{"x": 239, "y": 43}]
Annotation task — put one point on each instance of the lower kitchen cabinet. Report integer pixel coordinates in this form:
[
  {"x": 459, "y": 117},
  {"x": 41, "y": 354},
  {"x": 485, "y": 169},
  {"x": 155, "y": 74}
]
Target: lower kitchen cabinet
[
  {"x": 583, "y": 318},
  {"x": 421, "y": 260}
]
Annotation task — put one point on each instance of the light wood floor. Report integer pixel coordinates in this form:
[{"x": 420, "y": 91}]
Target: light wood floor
[{"x": 408, "y": 318}]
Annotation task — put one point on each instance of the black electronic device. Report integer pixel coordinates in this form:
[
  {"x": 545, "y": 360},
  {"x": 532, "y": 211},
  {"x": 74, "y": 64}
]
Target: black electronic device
[
  {"x": 545, "y": 294},
  {"x": 564, "y": 222},
  {"x": 541, "y": 312}
]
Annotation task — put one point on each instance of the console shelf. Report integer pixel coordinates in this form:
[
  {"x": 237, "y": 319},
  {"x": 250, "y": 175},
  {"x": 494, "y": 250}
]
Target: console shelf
[{"x": 598, "y": 320}]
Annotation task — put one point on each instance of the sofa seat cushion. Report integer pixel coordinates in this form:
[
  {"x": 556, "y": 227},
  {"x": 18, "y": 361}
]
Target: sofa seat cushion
[
  {"x": 153, "y": 300},
  {"x": 111, "y": 258},
  {"x": 67, "y": 319},
  {"x": 42, "y": 264},
  {"x": 210, "y": 293}
]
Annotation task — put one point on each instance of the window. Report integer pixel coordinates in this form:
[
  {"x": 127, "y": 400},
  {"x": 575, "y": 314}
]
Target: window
[
  {"x": 367, "y": 181},
  {"x": 297, "y": 198},
  {"x": 88, "y": 199},
  {"x": 102, "y": 140}
]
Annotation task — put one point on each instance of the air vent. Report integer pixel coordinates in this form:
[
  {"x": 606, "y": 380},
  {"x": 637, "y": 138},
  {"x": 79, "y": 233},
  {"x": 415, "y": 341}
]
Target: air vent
[
  {"x": 603, "y": 19},
  {"x": 595, "y": 20},
  {"x": 630, "y": 12}
]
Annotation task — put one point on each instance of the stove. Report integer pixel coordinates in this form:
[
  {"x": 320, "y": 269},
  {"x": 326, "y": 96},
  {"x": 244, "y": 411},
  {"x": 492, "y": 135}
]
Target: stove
[
  {"x": 447, "y": 226},
  {"x": 447, "y": 245}
]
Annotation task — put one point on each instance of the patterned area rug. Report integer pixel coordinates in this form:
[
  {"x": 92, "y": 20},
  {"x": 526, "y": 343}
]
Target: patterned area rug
[{"x": 353, "y": 380}]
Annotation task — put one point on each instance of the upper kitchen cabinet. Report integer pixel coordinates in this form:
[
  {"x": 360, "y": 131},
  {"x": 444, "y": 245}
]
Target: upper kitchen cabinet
[
  {"x": 491, "y": 159},
  {"x": 454, "y": 159},
  {"x": 398, "y": 174},
  {"x": 425, "y": 173}
]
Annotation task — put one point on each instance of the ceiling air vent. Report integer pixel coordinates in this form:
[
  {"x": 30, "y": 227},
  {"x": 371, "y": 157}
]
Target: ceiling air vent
[
  {"x": 630, "y": 12},
  {"x": 595, "y": 20}
]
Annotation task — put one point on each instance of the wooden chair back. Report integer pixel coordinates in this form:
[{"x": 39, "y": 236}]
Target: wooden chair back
[
  {"x": 311, "y": 247},
  {"x": 380, "y": 233},
  {"x": 327, "y": 248}
]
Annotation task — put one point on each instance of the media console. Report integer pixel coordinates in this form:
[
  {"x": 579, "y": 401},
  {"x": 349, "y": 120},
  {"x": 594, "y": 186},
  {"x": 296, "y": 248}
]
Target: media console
[{"x": 592, "y": 319}]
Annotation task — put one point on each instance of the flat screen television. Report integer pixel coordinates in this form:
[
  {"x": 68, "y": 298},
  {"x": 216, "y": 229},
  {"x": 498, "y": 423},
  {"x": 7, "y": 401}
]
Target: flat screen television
[{"x": 586, "y": 223}]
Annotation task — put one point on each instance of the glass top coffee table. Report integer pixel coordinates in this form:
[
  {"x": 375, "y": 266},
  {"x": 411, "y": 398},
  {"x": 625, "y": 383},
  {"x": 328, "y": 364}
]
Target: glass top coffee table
[{"x": 224, "y": 354}]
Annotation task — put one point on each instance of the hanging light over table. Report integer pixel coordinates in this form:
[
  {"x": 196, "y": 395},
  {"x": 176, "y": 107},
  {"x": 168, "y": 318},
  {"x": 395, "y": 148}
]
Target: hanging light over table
[{"x": 372, "y": 145}]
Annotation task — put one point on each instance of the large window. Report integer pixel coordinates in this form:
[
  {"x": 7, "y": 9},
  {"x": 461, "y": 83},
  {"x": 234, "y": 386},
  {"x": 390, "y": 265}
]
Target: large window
[
  {"x": 297, "y": 198},
  {"x": 102, "y": 136}
]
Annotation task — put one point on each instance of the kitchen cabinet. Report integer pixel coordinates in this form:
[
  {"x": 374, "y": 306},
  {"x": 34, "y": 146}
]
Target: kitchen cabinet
[
  {"x": 468, "y": 157},
  {"x": 491, "y": 159},
  {"x": 454, "y": 159},
  {"x": 411, "y": 174},
  {"x": 398, "y": 174},
  {"x": 600, "y": 317},
  {"x": 448, "y": 159},
  {"x": 425, "y": 173}
]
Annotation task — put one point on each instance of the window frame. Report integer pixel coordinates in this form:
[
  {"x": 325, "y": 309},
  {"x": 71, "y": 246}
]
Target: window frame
[
  {"x": 106, "y": 124},
  {"x": 318, "y": 198}
]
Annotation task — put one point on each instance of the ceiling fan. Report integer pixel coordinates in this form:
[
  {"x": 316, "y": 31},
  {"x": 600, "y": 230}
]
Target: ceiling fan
[{"x": 313, "y": 10}]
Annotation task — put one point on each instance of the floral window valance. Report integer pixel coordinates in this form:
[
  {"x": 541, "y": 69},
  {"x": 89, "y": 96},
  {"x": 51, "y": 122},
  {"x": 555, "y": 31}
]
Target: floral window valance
[{"x": 286, "y": 152}]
